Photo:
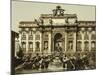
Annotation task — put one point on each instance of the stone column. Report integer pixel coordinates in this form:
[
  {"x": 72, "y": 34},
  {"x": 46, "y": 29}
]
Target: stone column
[
  {"x": 82, "y": 41},
  {"x": 65, "y": 41},
  {"x": 89, "y": 41},
  {"x": 40, "y": 42},
  {"x": 33, "y": 42},
  {"x": 26, "y": 42},
  {"x": 16, "y": 46},
  {"x": 74, "y": 42},
  {"x": 20, "y": 39},
  {"x": 52, "y": 43},
  {"x": 49, "y": 43}
]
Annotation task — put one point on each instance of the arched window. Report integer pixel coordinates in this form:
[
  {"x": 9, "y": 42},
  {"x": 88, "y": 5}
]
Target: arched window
[
  {"x": 23, "y": 35},
  {"x": 93, "y": 36},
  {"x": 86, "y": 46},
  {"x": 79, "y": 36},
  {"x": 86, "y": 36},
  {"x": 79, "y": 46},
  {"x": 30, "y": 35},
  {"x": 37, "y": 36}
]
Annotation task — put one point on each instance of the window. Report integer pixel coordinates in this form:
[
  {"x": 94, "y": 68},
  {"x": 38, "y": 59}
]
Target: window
[
  {"x": 86, "y": 37},
  {"x": 79, "y": 46},
  {"x": 86, "y": 46},
  {"x": 37, "y": 44},
  {"x": 23, "y": 46},
  {"x": 93, "y": 36},
  {"x": 23, "y": 29},
  {"x": 30, "y": 35},
  {"x": 30, "y": 32},
  {"x": 93, "y": 45},
  {"x": 46, "y": 37},
  {"x": 79, "y": 36},
  {"x": 37, "y": 37},
  {"x": 30, "y": 46},
  {"x": 23, "y": 35}
]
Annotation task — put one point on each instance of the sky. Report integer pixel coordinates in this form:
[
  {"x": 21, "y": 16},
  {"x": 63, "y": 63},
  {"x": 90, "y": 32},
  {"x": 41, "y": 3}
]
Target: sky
[{"x": 28, "y": 11}]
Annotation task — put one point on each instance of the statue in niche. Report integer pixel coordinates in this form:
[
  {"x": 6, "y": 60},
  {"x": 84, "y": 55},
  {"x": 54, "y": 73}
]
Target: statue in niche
[
  {"x": 70, "y": 45},
  {"x": 45, "y": 45},
  {"x": 58, "y": 48}
]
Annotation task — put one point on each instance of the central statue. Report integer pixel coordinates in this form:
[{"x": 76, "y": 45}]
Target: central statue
[{"x": 58, "y": 50}]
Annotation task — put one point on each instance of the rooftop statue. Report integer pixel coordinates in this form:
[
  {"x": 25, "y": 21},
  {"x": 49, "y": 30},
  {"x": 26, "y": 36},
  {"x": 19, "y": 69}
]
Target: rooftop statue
[{"x": 58, "y": 11}]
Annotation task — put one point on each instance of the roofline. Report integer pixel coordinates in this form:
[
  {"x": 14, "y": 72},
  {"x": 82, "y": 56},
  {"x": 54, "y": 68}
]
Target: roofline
[
  {"x": 27, "y": 22},
  {"x": 87, "y": 21}
]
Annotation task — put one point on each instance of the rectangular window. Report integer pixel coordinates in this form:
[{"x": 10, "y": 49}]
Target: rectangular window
[
  {"x": 23, "y": 36},
  {"x": 46, "y": 37},
  {"x": 30, "y": 37},
  {"x": 79, "y": 45},
  {"x": 30, "y": 46},
  {"x": 37, "y": 46},
  {"x": 37, "y": 37},
  {"x": 93, "y": 37},
  {"x": 86, "y": 46},
  {"x": 93, "y": 46}
]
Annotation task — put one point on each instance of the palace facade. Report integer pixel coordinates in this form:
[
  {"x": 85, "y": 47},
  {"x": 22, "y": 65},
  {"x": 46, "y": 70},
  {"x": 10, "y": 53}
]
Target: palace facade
[{"x": 57, "y": 31}]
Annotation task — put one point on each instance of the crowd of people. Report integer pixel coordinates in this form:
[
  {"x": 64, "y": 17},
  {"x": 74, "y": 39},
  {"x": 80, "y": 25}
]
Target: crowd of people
[{"x": 67, "y": 62}]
